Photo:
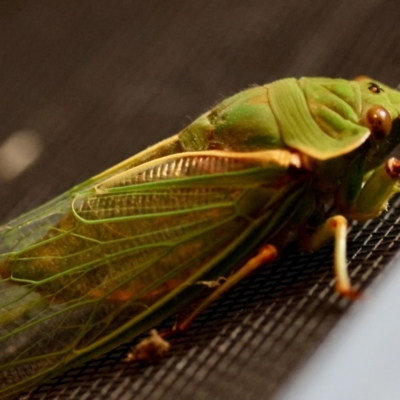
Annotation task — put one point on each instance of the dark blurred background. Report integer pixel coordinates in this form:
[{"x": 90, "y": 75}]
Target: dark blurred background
[{"x": 86, "y": 84}]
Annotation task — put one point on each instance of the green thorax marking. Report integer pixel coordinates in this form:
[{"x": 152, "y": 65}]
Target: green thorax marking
[{"x": 337, "y": 135}]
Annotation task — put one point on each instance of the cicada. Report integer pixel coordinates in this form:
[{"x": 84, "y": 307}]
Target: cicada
[{"x": 291, "y": 160}]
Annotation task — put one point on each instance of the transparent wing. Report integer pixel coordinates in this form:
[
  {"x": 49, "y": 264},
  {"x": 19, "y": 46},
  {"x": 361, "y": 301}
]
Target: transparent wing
[{"x": 81, "y": 270}]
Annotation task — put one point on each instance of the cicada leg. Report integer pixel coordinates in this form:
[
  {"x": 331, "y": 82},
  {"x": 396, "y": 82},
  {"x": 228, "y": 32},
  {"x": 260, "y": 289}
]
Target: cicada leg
[
  {"x": 383, "y": 183},
  {"x": 377, "y": 190},
  {"x": 267, "y": 253},
  {"x": 156, "y": 345},
  {"x": 336, "y": 228}
]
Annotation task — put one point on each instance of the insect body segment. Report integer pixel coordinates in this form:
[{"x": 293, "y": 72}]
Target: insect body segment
[{"x": 117, "y": 254}]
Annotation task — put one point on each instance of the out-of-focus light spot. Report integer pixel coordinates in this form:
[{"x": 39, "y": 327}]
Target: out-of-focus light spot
[{"x": 18, "y": 152}]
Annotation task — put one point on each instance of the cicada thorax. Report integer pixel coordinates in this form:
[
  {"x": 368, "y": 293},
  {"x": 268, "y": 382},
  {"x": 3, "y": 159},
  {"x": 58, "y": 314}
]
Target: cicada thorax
[
  {"x": 244, "y": 122},
  {"x": 319, "y": 117}
]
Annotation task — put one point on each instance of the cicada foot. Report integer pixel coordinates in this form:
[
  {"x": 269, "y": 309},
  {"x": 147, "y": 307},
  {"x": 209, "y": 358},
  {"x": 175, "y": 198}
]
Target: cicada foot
[
  {"x": 348, "y": 292},
  {"x": 150, "y": 349}
]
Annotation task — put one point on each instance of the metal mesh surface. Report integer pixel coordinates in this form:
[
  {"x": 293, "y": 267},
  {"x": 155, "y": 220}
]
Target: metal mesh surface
[{"x": 99, "y": 81}]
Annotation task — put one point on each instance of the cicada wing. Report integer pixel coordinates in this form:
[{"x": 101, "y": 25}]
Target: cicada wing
[{"x": 116, "y": 256}]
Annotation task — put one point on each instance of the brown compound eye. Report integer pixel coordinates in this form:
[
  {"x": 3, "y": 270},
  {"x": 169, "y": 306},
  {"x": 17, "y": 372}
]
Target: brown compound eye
[{"x": 379, "y": 121}]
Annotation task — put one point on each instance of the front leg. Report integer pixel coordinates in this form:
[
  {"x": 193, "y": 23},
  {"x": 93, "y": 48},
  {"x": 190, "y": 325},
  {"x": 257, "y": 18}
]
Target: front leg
[
  {"x": 336, "y": 228},
  {"x": 376, "y": 192}
]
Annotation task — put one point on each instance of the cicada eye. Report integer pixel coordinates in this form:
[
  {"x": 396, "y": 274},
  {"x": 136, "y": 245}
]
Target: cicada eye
[
  {"x": 379, "y": 121},
  {"x": 374, "y": 88}
]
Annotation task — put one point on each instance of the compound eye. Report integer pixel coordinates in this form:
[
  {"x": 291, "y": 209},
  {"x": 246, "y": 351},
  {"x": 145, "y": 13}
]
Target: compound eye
[{"x": 379, "y": 121}]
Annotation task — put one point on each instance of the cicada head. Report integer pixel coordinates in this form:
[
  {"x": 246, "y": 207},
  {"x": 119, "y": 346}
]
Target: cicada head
[{"x": 380, "y": 106}]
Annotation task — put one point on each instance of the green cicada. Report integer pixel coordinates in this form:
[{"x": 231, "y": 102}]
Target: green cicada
[{"x": 115, "y": 255}]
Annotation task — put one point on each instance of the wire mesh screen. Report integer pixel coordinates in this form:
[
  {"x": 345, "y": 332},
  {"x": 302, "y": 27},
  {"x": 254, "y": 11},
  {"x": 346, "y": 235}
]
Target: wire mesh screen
[{"x": 97, "y": 82}]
